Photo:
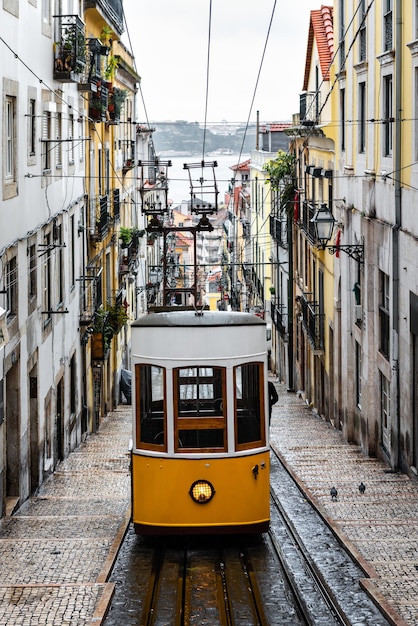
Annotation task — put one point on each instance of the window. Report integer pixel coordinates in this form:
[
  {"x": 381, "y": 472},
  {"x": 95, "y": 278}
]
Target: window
[
  {"x": 249, "y": 406},
  {"x": 416, "y": 20},
  {"x": 47, "y": 278},
  {"x": 385, "y": 412},
  {"x": 362, "y": 118},
  {"x": 384, "y": 315},
  {"x": 72, "y": 236},
  {"x": 342, "y": 34},
  {"x": 387, "y": 115},
  {"x": 150, "y": 407},
  {"x": 71, "y": 138},
  {"x": 342, "y": 119},
  {"x": 387, "y": 25},
  {"x": 363, "y": 32},
  {"x": 10, "y": 138},
  {"x": 32, "y": 284},
  {"x": 46, "y": 136},
  {"x": 60, "y": 259},
  {"x": 80, "y": 139},
  {"x": 200, "y": 408},
  {"x": 32, "y": 127},
  {"x": 58, "y": 140},
  {"x": 73, "y": 386},
  {"x": 358, "y": 375},
  {"x": 11, "y": 288}
]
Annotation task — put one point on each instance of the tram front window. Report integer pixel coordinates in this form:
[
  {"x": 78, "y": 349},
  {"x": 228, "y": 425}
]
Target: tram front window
[
  {"x": 249, "y": 404},
  {"x": 200, "y": 412},
  {"x": 150, "y": 412}
]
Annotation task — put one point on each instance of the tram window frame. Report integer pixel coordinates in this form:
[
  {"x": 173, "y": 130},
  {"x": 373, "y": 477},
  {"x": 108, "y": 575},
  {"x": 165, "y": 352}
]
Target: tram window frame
[
  {"x": 143, "y": 386},
  {"x": 250, "y": 380},
  {"x": 208, "y": 413}
]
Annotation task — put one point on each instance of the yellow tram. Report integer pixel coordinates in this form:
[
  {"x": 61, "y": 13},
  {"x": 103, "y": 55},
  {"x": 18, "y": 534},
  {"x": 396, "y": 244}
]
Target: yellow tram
[{"x": 200, "y": 455}]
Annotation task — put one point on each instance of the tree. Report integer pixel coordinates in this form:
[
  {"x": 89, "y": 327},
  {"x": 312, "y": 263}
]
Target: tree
[{"x": 281, "y": 176}]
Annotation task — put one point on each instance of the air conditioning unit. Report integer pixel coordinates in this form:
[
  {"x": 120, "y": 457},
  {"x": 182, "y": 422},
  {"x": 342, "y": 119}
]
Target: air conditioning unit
[{"x": 358, "y": 312}]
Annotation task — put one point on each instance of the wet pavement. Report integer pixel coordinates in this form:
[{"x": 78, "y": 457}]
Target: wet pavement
[
  {"x": 379, "y": 527},
  {"x": 57, "y": 549}
]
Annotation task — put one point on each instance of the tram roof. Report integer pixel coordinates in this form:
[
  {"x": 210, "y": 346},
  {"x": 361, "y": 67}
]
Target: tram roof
[{"x": 198, "y": 318}]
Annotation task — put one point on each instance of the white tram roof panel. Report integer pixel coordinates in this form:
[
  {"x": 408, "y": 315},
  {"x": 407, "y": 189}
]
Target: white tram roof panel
[{"x": 197, "y": 318}]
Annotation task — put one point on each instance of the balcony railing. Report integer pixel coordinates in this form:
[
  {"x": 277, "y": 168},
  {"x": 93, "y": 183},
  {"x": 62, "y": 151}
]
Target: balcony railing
[
  {"x": 308, "y": 211},
  {"x": 313, "y": 322},
  {"x": 112, "y": 10},
  {"x": 278, "y": 229},
  {"x": 90, "y": 294},
  {"x": 128, "y": 154},
  {"x": 279, "y": 318},
  {"x": 116, "y": 205},
  {"x": 309, "y": 107},
  {"x": 98, "y": 103},
  {"x": 70, "y": 54}
]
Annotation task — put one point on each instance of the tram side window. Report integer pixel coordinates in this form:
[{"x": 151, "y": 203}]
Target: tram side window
[
  {"x": 150, "y": 411},
  {"x": 249, "y": 404},
  {"x": 200, "y": 408}
]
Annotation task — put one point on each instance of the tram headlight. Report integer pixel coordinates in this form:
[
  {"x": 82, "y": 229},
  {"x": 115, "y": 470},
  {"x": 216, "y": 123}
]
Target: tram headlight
[{"x": 202, "y": 491}]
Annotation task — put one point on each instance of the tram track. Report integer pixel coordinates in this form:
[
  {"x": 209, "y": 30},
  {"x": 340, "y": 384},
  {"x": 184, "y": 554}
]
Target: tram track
[
  {"x": 215, "y": 585},
  {"x": 315, "y": 600},
  {"x": 298, "y": 573}
]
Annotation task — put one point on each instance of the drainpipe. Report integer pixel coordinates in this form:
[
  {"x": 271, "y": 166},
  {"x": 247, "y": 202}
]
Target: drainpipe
[{"x": 397, "y": 164}]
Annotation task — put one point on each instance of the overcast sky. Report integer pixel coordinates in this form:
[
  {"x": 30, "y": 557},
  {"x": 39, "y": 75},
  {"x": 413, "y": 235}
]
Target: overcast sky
[{"x": 170, "y": 39}]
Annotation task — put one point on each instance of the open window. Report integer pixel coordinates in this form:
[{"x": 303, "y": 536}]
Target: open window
[
  {"x": 200, "y": 410},
  {"x": 151, "y": 431},
  {"x": 249, "y": 406}
]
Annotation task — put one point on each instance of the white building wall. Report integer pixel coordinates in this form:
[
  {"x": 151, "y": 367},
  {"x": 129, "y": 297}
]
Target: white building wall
[{"x": 29, "y": 206}]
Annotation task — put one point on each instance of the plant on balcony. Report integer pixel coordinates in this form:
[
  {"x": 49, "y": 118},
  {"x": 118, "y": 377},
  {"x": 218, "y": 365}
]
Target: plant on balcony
[
  {"x": 125, "y": 235},
  {"x": 97, "y": 109},
  {"x": 118, "y": 316},
  {"x": 111, "y": 67},
  {"x": 281, "y": 172},
  {"x": 102, "y": 333},
  {"x": 129, "y": 235}
]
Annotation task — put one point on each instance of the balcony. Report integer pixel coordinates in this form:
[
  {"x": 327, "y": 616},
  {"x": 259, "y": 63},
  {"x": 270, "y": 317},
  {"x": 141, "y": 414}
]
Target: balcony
[
  {"x": 90, "y": 293},
  {"x": 116, "y": 205},
  {"x": 278, "y": 229},
  {"x": 313, "y": 322},
  {"x": 109, "y": 10},
  {"x": 308, "y": 211},
  {"x": 128, "y": 155},
  {"x": 100, "y": 228},
  {"x": 98, "y": 103},
  {"x": 309, "y": 108},
  {"x": 70, "y": 53},
  {"x": 278, "y": 318}
]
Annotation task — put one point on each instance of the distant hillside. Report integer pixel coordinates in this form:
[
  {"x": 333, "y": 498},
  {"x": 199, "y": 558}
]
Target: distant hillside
[{"x": 188, "y": 137}]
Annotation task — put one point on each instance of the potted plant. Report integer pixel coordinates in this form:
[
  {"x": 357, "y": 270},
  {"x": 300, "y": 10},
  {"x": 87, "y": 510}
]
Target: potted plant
[
  {"x": 118, "y": 317},
  {"x": 116, "y": 100},
  {"x": 125, "y": 235},
  {"x": 102, "y": 334}
]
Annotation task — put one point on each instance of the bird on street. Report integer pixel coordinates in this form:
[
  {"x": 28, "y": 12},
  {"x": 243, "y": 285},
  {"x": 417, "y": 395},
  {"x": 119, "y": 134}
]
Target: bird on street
[
  {"x": 362, "y": 487},
  {"x": 334, "y": 494}
]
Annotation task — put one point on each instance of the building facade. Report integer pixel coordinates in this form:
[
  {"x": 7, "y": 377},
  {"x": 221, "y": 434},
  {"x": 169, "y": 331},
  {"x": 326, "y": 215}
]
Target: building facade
[{"x": 67, "y": 187}]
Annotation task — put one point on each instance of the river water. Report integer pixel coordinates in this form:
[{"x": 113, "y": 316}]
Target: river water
[{"x": 179, "y": 182}]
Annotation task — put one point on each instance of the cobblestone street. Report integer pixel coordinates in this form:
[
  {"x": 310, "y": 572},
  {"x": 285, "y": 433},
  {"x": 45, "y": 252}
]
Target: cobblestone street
[
  {"x": 57, "y": 549},
  {"x": 379, "y": 527}
]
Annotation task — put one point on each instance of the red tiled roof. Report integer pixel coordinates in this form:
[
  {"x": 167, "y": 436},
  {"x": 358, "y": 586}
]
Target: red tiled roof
[
  {"x": 320, "y": 29},
  {"x": 245, "y": 165},
  {"x": 275, "y": 127}
]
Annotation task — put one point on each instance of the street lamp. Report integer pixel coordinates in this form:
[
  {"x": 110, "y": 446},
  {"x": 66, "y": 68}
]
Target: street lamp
[{"x": 323, "y": 222}]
